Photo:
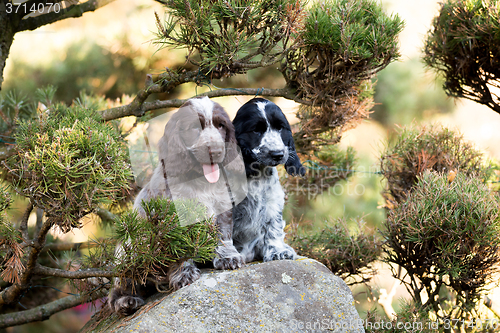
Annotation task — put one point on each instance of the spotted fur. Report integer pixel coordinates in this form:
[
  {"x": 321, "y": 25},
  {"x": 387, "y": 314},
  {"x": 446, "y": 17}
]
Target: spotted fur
[
  {"x": 265, "y": 138},
  {"x": 200, "y": 133}
]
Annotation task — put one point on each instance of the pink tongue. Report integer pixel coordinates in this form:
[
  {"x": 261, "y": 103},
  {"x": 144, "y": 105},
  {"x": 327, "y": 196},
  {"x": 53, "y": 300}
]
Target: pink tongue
[{"x": 211, "y": 172}]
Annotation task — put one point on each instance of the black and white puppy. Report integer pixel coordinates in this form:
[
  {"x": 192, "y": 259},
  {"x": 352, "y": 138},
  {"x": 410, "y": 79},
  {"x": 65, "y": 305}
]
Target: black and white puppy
[{"x": 265, "y": 138}]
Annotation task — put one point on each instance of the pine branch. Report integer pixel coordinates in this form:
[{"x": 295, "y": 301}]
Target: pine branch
[
  {"x": 43, "y": 312},
  {"x": 11, "y": 293},
  {"x": 105, "y": 215},
  {"x": 24, "y": 222},
  {"x": 80, "y": 274},
  {"x": 137, "y": 109},
  {"x": 165, "y": 82},
  {"x": 36, "y": 22}
]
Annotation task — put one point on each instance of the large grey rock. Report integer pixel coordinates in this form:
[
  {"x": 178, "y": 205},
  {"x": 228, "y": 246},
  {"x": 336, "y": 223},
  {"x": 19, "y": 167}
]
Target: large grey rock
[{"x": 280, "y": 296}]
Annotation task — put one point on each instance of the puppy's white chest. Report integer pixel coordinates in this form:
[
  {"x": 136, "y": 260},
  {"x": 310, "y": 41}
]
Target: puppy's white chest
[
  {"x": 266, "y": 196},
  {"x": 215, "y": 197}
]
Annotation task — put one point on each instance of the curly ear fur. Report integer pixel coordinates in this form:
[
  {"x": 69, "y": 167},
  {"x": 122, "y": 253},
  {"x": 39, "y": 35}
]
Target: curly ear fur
[
  {"x": 171, "y": 148},
  {"x": 163, "y": 145},
  {"x": 293, "y": 166},
  {"x": 233, "y": 161}
]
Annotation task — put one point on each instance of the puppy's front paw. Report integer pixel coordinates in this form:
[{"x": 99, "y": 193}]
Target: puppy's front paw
[
  {"x": 233, "y": 262},
  {"x": 183, "y": 275},
  {"x": 127, "y": 305},
  {"x": 228, "y": 257},
  {"x": 281, "y": 253}
]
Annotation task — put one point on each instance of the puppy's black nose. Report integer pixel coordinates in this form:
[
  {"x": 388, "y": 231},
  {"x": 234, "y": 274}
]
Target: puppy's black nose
[
  {"x": 215, "y": 152},
  {"x": 277, "y": 155}
]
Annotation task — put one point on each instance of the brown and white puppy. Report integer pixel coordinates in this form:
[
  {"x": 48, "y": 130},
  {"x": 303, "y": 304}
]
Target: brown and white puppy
[{"x": 198, "y": 158}]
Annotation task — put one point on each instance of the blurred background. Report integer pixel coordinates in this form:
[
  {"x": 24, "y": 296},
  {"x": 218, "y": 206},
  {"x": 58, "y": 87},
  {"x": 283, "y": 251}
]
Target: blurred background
[{"x": 110, "y": 51}]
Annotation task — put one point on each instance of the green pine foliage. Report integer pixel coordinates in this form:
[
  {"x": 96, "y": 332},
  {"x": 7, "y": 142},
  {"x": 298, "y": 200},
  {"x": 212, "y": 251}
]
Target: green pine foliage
[
  {"x": 445, "y": 236},
  {"x": 69, "y": 162},
  {"x": 326, "y": 167},
  {"x": 344, "y": 253},
  {"x": 13, "y": 107},
  {"x": 354, "y": 31},
  {"x": 11, "y": 252},
  {"x": 417, "y": 149},
  {"x": 229, "y": 37},
  {"x": 343, "y": 44},
  {"x": 462, "y": 45},
  {"x": 153, "y": 243},
  {"x": 326, "y": 52}
]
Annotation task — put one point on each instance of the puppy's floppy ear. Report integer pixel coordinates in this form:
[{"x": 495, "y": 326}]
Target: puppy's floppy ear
[
  {"x": 163, "y": 145},
  {"x": 292, "y": 165},
  {"x": 172, "y": 149},
  {"x": 233, "y": 161}
]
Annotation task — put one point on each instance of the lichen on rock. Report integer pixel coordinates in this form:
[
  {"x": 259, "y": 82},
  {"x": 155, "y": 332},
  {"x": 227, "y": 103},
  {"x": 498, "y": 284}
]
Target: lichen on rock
[{"x": 279, "y": 296}]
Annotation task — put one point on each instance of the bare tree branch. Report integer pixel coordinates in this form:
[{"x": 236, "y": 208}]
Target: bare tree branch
[
  {"x": 135, "y": 109},
  {"x": 39, "y": 219},
  {"x": 80, "y": 274},
  {"x": 105, "y": 215},
  {"x": 164, "y": 83},
  {"x": 23, "y": 227},
  {"x": 35, "y": 22},
  {"x": 43, "y": 312}
]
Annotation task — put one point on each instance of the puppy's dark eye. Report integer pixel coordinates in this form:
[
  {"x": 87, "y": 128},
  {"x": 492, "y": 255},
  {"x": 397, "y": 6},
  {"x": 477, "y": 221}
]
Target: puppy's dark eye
[
  {"x": 260, "y": 128},
  {"x": 193, "y": 128},
  {"x": 221, "y": 126}
]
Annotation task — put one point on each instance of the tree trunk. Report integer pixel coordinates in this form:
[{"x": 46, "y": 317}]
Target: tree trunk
[{"x": 6, "y": 37}]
